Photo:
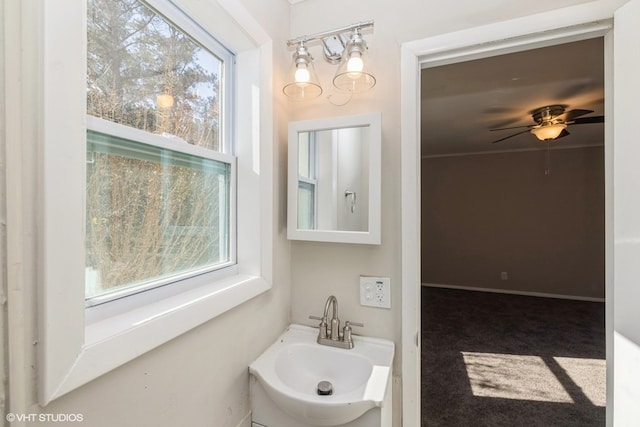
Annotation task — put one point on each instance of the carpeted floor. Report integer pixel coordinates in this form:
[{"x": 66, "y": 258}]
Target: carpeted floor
[{"x": 505, "y": 360}]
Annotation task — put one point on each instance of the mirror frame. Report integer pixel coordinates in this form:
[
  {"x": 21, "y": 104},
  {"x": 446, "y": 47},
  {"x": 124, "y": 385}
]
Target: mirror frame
[{"x": 373, "y": 235}]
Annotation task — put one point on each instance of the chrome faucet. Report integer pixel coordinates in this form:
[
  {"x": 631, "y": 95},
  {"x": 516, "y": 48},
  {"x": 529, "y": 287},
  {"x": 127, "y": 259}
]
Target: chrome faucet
[
  {"x": 329, "y": 329},
  {"x": 334, "y": 330}
]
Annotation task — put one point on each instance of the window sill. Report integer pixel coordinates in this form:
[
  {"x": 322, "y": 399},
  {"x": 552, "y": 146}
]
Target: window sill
[{"x": 112, "y": 342}]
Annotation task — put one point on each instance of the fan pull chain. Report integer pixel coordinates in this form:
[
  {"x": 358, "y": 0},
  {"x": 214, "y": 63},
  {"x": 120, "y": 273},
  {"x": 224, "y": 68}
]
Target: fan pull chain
[{"x": 547, "y": 161}]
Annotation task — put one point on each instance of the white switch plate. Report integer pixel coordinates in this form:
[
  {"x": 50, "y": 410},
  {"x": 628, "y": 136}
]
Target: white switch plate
[{"x": 375, "y": 291}]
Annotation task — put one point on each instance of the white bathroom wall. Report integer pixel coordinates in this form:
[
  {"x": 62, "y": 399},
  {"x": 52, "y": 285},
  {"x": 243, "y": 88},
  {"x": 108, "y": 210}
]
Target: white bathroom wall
[
  {"x": 197, "y": 379},
  {"x": 351, "y": 158},
  {"x": 327, "y": 216},
  {"x": 342, "y": 166},
  {"x": 322, "y": 269}
]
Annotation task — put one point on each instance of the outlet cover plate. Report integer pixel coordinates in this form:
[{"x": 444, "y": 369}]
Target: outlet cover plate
[{"x": 375, "y": 291}]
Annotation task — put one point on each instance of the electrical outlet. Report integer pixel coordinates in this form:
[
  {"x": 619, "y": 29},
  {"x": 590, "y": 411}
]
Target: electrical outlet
[
  {"x": 375, "y": 291},
  {"x": 504, "y": 275}
]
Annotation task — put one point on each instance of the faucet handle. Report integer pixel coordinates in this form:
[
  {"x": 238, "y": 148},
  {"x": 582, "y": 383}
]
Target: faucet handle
[
  {"x": 346, "y": 332},
  {"x": 350, "y": 323},
  {"x": 322, "y": 326}
]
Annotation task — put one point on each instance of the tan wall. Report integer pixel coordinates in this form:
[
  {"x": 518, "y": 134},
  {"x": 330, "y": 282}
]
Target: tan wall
[{"x": 485, "y": 214}]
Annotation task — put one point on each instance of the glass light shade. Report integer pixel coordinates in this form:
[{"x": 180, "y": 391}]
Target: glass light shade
[
  {"x": 548, "y": 132},
  {"x": 305, "y": 83},
  {"x": 353, "y": 74}
]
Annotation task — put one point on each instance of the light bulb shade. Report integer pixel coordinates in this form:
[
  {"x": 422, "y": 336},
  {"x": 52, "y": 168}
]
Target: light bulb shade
[
  {"x": 353, "y": 74},
  {"x": 546, "y": 132},
  {"x": 304, "y": 82}
]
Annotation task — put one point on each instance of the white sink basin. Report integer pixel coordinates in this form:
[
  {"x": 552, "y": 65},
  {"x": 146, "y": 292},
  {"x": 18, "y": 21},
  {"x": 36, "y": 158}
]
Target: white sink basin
[{"x": 292, "y": 367}]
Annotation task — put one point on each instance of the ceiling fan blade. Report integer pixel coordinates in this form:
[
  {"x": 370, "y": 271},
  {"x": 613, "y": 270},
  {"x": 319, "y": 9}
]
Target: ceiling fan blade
[
  {"x": 511, "y": 136},
  {"x": 570, "y": 115},
  {"x": 563, "y": 134},
  {"x": 514, "y": 127},
  {"x": 584, "y": 120}
]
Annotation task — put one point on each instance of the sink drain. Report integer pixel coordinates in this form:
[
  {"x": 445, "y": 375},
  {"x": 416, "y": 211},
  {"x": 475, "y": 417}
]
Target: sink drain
[{"x": 325, "y": 388}]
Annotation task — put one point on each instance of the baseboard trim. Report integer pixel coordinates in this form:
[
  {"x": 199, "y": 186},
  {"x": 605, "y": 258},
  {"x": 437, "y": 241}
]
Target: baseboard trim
[{"x": 514, "y": 292}]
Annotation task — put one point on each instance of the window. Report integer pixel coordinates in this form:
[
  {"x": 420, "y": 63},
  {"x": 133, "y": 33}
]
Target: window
[
  {"x": 159, "y": 175},
  {"x": 77, "y": 344},
  {"x": 307, "y": 180}
]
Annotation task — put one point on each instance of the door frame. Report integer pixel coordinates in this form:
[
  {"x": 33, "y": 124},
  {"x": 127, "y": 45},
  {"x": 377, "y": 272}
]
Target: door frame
[{"x": 594, "y": 19}]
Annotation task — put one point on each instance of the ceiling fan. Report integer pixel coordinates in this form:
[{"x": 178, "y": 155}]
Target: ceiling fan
[{"x": 551, "y": 122}]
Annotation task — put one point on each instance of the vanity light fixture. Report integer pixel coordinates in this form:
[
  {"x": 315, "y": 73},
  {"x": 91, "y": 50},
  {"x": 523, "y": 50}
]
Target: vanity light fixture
[
  {"x": 344, "y": 47},
  {"x": 353, "y": 73},
  {"x": 305, "y": 82}
]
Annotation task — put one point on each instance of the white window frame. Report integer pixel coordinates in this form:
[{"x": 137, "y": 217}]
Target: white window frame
[
  {"x": 74, "y": 347},
  {"x": 312, "y": 179},
  {"x": 174, "y": 15}
]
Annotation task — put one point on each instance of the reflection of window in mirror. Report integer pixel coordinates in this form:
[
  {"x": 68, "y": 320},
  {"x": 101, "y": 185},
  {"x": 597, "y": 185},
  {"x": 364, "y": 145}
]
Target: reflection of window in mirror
[{"x": 307, "y": 180}]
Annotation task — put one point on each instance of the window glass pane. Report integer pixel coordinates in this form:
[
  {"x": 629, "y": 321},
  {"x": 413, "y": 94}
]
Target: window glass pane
[
  {"x": 304, "y": 155},
  {"x": 152, "y": 214},
  {"x": 144, "y": 72},
  {"x": 306, "y": 205}
]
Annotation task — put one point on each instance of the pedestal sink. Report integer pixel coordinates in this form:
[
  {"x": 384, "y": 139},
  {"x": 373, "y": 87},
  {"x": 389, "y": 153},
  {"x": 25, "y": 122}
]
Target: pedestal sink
[{"x": 291, "y": 369}]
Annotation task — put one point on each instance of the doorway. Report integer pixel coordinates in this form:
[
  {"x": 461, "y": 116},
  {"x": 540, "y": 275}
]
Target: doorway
[
  {"x": 510, "y": 36},
  {"x": 506, "y": 213}
]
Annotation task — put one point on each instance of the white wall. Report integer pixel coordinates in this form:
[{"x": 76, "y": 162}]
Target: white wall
[
  {"x": 342, "y": 166},
  {"x": 351, "y": 177},
  {"x": 327, "y": 216},
  {"x": 197, "y": 379}
]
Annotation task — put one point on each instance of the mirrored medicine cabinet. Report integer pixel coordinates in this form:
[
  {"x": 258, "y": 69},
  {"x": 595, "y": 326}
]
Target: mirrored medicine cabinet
[{"x": 334, "y": 179}]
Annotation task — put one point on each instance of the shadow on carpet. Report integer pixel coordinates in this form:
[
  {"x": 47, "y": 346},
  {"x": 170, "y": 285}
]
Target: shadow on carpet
[{"x": 507, "y": 360}]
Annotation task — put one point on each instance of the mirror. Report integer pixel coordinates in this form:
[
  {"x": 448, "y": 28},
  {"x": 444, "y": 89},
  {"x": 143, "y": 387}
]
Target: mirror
[{"x": 334, "y": 179}]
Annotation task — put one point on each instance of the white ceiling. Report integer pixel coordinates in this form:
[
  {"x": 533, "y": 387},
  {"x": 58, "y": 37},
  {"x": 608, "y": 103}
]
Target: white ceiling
[{"x": 461, "y": 102}]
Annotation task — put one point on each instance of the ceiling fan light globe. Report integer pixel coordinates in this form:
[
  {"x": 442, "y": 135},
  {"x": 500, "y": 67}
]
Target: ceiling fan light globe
[{"x": 548, "y": 132}]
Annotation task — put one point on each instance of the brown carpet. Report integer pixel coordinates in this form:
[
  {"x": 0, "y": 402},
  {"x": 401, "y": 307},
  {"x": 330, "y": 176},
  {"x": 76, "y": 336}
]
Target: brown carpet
[{"x": 505, "y": 360}]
